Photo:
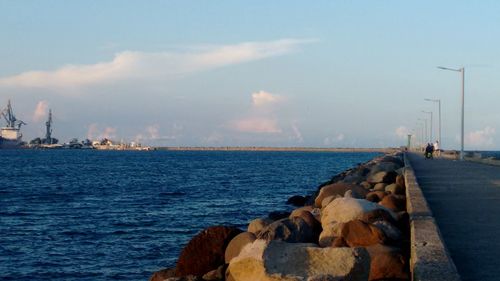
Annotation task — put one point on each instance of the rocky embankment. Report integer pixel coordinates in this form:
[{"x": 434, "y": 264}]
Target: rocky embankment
[{"x": 355, "y": 227}]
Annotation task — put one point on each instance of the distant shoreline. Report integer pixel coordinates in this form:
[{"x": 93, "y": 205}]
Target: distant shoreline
[{"x": 259, "y": 148}]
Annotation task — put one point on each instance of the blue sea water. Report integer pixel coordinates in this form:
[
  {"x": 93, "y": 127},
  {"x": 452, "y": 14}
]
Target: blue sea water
[{"x": 120, "y": 215}]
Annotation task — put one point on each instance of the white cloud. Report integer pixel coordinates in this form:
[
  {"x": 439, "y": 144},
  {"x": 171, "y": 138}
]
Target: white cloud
[
  {"x": 334, "y": 140},
  {"x": 141, "y": 65},
  {"x": 153, "y": 131},
  {"x": 40, "y": 112},
  {"x": 481, "y": 138},
  {"x": 94, "y": 133},
  {"x": 297, "y": 133},
  {"x": 402, "y": 132},
  {"x": 263, "y": 98},
  {"x": 256, "y": 125}
]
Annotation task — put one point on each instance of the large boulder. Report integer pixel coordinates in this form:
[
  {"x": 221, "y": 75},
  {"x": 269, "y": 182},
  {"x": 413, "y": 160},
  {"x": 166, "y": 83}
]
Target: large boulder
[
  {"x": 205, "y": 252},
  {"x": 280, "y": 261},
  {"x": 395, "y": 189},
  {"x": 396, "y": 203},
  {"x": 387, "y": 263},
  {"x": 294, "y": 230},
  {"x": 400, "y": 180},
  {"x": 385, "y": 177},
  {"x": 296, "y": 200},
  {"x": 339, "y": 189},
  {"x": 237, "y": 243},
  {"x": 348, "y": 209},
  {"x": 358, "y": 233},
  {"x": 256, "y": 225},
  {"x": 329, "y": 233},
  {"x": 384, "y": 167},
  {"x": 375, "y": 196},
  {"x": 163, "y": 274}
]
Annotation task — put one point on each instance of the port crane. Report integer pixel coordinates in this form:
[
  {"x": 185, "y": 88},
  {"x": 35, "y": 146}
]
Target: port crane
[
  {"x": 12, "y": 121},
  {"x": 48, "y": 125}
]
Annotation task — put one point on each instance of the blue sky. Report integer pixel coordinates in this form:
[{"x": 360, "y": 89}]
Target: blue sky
[{"x": 277, "y": 73}]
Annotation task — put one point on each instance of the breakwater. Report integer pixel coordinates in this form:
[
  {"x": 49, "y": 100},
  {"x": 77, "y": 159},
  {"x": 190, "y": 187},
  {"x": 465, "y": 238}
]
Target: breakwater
[{"x": 354, "y": 227}]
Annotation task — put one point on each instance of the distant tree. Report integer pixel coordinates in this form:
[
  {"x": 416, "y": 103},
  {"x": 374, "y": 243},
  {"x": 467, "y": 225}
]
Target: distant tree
[{"x": 36, "y": 141}]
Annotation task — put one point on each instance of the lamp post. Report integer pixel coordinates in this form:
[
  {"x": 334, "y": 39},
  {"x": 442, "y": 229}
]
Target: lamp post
[
  {"x": 439, "y": 110},
  {"x": 462, "y": 71},
  {"x": 430, "y": 129}
]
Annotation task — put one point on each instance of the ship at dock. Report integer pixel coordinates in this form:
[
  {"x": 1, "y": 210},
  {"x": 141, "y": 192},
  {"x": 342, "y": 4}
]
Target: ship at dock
[{"x": 10, "y": 135}]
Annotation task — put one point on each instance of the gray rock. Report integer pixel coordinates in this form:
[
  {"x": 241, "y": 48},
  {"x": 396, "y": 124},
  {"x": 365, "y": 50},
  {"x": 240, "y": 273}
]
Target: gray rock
[
  {"x": 280, "y": 261},
  {"x": 294, "y": 230}
]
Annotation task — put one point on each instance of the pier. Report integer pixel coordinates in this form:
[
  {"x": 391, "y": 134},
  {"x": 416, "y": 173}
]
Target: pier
[{"x": 463, "y": 199}]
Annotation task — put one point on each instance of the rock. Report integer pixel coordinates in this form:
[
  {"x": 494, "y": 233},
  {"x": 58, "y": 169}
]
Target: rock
[
  {"x": 277, "y": 215},
  {"x": 216, "y": 274},
  {"x": 294, "y": 230},
  {"x": 396, "y": 203},
  {"x": 390, "y": 231},
  {"x": 163, "y": 274},
  {"x": 385, "y": 177},
  {"x": 400, "y": 180},
  {"x": 393, "y": 159},
  {"x": 329, "y": 199},
  {"x": 384, "y": 167},
  {"x": 387, "y": 263},
  {"x": 338, "y": 188},
  {"x": 237, "y": 243},
  {"x": 329, "y": 234},
  {"x": 366, "y": 185},
  {"x": 300, "y": 209},
  {"x": 296, "y": 200},
  {"x": 358, "y": 233},
  {"x": 184, "y": 278},
  {"x": 395, "y": 189},
  {"x": 375, "y": 196},
  {"x": 280, "y": 261},
  {"x": 353, "y": 194},
  {"x": 205, "y": 251},
  {"x": 379, "y": 186},
  {"x": 308, "y": 218},
  {"x": 380, "y": 215},
  {"x": 339, "y": 242},
  {"x": 257, "y": 225},
  {"x": 348, "y": 209}
]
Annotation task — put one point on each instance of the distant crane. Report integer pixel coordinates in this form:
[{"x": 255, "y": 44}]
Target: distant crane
[
  {"x": 10, "y": 118},
  {"x": 48, "y": 125}
]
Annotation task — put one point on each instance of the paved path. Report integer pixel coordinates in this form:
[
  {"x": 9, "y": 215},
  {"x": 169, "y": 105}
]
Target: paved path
[{"x": 465, "y": 200}]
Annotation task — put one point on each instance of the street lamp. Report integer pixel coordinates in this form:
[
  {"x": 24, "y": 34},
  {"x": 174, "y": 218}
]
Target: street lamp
[
  {"x": 439, "y": 109},
  {"x": 462, "y": 71},
  {"x": 430, "y": 134}
]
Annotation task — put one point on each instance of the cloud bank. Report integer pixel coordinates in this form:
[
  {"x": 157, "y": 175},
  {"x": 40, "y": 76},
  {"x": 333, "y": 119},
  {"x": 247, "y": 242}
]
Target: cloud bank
[
  {"x": 481, "y": 138},
  {"x": 129, "y": 65},
  {"x": 40, "y": 112}
]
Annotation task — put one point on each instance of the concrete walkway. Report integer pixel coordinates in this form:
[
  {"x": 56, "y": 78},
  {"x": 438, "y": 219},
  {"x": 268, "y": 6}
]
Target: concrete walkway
[{"x": 464, "y": 198}]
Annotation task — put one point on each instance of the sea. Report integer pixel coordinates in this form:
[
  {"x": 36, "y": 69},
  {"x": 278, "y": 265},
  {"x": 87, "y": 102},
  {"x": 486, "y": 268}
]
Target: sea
[{"x": 121, "y": 215}]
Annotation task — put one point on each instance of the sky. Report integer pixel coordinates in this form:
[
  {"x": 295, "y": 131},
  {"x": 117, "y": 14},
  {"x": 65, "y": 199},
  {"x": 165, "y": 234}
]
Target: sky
[{"x": 253, "y": 73}]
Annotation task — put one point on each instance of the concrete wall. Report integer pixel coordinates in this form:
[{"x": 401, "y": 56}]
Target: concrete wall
[{"x": 429, "y": 259}]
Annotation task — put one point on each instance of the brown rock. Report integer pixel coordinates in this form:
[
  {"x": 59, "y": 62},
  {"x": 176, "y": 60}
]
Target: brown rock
[
  {"x": 387, "y": 263},
  {"x": 396, "y": 203},
  {"x": 379, "y": 186},
  {"x": 205, "y": 252},
  {"x": 308, "y": 218},
  {"x": 237, "y": 243},
  {"x": 296, "y": 200},
  {"x": 366, "y": 185},
  {"x": 385, "y": 177},
  {"x": 184, "y": 278},
  {"x": 256, "y": 225},
  {"x": 294, "y": 230},
  {"x": 378, "y": 215},
  {"x": 338, "y": 188},
  {"x": 339, "y": 242},
  {"x": 162, "y": 274},
  {"x": 358, "y": 233},
  {"x": 216, "y": 274},
  {"x": 375, "y": 196},
  {"x": 400, "y": 180},
  {"x": 395, "y": 189}
]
